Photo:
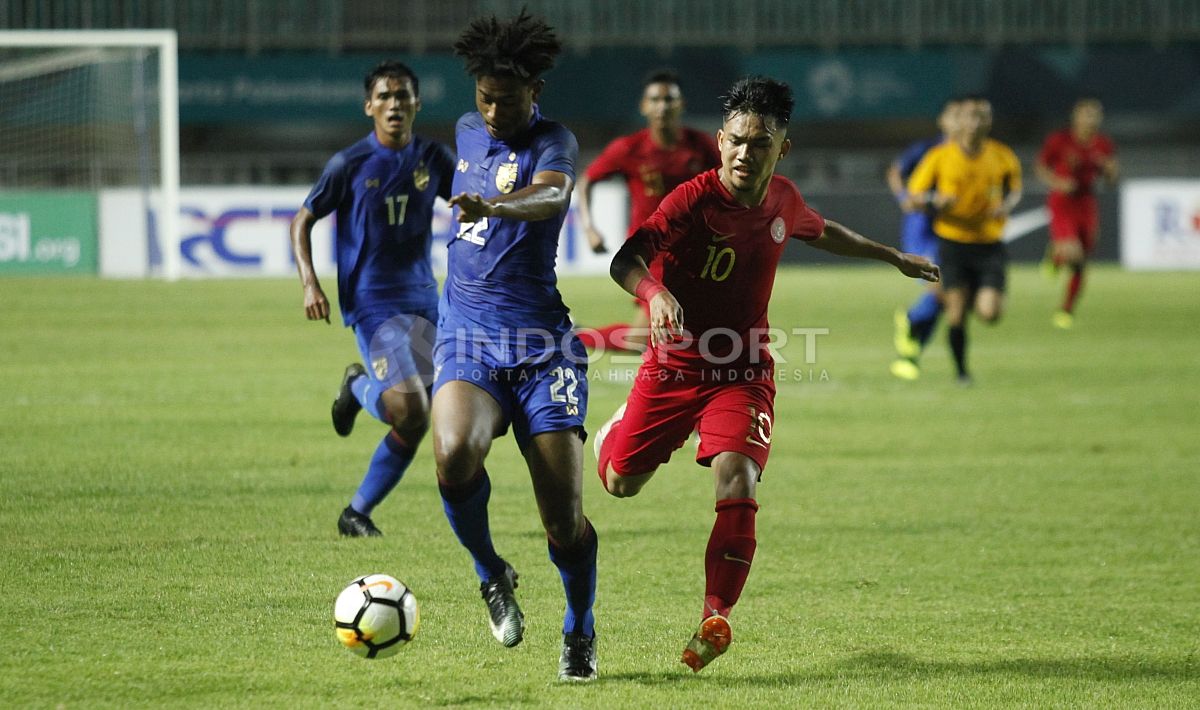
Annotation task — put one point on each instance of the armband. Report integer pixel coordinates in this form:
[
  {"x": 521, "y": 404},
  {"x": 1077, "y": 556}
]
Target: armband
[{"x": 648, "y": 288}]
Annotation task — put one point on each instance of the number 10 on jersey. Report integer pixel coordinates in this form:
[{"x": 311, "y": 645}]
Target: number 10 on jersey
[{"x": 719, "y": 263}]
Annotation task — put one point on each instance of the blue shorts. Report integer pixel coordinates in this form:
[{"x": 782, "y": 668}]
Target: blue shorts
[
  {"x": 917, "y": 237},
  {"x": 546, "y": 394},
  {"x": 397, "y": 347}
]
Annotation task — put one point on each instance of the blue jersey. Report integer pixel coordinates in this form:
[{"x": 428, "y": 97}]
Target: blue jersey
[
  {"x": 501, "y": 272},
  {"x": 916, "y": 228},
  {"x": 384, "y": 202},
  {"x": 912, "y": 155}
]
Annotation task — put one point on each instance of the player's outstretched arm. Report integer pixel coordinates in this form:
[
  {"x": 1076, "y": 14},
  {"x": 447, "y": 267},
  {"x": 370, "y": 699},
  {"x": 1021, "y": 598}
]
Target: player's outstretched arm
[
  {"x": 628, "y": 269},
  {"x": 843, "y": 241},
  {"x": 895, "y": 183},
  {"x": 316, "y": 305},
  {"x": 594, "y": 237},
  {"x": 546, "y": 196}
]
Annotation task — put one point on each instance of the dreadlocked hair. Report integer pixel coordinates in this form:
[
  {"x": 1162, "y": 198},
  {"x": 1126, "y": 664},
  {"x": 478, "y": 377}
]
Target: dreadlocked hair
[{"x": 523, "y": 47}]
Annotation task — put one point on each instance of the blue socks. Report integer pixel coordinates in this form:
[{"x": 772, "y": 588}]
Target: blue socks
[
  {"x": 577, "y": 567},
  {"x": 387, "y": 467},
  {"x": 368, "y": 393},
  {"x": 466, "y": 509},
  {"x": 923, "y": 316}
]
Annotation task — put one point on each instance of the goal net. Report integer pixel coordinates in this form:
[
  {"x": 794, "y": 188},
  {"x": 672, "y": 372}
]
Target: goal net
[{"x": 89, "y": 111}]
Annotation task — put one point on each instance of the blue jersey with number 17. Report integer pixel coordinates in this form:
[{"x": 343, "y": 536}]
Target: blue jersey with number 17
[
  {"x": 384, "y": 203},
  {"x": 500, "y": 271}
]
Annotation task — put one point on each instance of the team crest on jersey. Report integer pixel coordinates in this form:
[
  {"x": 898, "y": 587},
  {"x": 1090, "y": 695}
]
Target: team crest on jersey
[
  {"x": 463, "y": 165},
  {"x": 506, "y": 177},
  {"x": 371, "y": 182},
  {"x": 778, "y": 230},
  {"x": 421, "y": 176},
  {"x": 380, "y": 366}
]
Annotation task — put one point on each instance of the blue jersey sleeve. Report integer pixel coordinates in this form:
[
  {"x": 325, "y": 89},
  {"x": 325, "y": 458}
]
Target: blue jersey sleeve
[
  {"x": 557, "y": 150},
  {"x": 911, "y": 157},
  {"x": 330, "y": 189},
  {"x": 443, "y": 159}
]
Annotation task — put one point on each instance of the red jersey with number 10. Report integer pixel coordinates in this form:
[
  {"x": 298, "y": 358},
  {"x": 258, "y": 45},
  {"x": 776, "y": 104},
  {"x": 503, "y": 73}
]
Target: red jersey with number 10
[
  {"x": 651, "y": 170},
  {"x": 718, "y": 259}
]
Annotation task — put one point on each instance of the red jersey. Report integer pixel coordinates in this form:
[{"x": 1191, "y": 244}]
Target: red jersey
[
  {"x": 718, "y": 258},
  {"x": 1067, "y": 157},
  {"x": 651, "y": 171}
]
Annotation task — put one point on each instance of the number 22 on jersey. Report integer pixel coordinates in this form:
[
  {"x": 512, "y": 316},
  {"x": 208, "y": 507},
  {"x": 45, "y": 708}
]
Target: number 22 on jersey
[{"x": 473, "y": 231}]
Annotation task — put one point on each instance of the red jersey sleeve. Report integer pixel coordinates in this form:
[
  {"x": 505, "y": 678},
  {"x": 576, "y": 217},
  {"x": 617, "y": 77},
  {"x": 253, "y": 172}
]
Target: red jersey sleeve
[
  {"x": 1051, "y": 149},
  {"x": 611, "y": 160},
  {"x": 807, "y": 225},
  {"x": 670, "y": 221},
  {"x": 1105, "y": 145}
]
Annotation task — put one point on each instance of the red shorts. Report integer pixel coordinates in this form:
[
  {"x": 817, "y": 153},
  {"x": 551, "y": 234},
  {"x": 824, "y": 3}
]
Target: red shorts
[
  {"x": 1074, "y": 218},
  {"x": 730, "y": 412}
]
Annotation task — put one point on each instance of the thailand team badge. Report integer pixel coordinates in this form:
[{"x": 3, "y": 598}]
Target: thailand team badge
[
  {"x": 506, "y": 177},
  {"x": 380, "y": 366},
  {"x": 420, "y": 176},
  {"x": 778, "y": 230}
]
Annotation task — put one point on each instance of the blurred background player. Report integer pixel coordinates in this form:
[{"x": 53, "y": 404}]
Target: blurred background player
[
  {"x": 511, "y": 190},
  {"x": 710, "y": 253},
  {"x": 972, "y": 184},
  {"x": 1069, "y": 163},
  {"x": 382, "y": 188},
  {"x": 652, "y": 162},
  {"x": 915, "y": 326}
]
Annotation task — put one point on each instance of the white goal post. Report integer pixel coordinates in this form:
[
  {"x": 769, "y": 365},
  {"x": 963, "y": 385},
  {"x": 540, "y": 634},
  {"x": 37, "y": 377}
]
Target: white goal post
[{"x": 66, "y": 50}]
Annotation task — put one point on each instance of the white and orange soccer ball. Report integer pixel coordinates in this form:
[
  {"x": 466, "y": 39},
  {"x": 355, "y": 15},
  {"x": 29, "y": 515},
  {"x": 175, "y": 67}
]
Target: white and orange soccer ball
[{"x": 375, "y": 615}]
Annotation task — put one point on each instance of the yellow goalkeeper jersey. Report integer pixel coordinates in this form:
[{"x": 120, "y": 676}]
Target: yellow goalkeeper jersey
[{"x": 978, "y": 185}]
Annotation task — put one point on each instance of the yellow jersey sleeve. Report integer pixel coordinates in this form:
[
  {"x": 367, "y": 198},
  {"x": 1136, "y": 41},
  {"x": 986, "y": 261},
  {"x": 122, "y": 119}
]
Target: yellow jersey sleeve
[{"x": 925, "y": 174}]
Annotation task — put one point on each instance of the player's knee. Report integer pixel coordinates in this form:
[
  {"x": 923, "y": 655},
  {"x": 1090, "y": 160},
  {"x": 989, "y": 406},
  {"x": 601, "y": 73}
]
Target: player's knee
[
  {"x": 626, "y": 486},
  {"x": 989, "y": 314},
  {"x": 457, "y": 453},
  {"x": 409, "y": 421},
  {"x": 408, "y": 413},
  {"x": 618, "y": 487}
]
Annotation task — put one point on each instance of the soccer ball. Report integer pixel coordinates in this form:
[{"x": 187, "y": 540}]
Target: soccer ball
[{"x": 375, "y": 615}]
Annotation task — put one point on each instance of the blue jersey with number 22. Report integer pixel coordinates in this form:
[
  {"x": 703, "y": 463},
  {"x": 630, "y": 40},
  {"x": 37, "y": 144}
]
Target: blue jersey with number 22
[{"x": 501, "y": 272}]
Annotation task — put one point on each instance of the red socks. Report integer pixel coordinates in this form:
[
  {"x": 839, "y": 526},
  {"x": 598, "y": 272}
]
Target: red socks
[
  {"x": 729, "y": 554},
  {"x": 1073, "y": 287}
]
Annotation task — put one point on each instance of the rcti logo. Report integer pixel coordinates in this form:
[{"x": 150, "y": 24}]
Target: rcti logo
[
  {"x": 215, "y": 235},
  {"x": 1171, "y": 219}
]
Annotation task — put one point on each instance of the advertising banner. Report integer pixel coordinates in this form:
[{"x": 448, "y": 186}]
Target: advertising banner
[
  {"x": 47, "y": 233},
  {"x": 1160, "y": 224},
  {"x": 233, "y": 232}
]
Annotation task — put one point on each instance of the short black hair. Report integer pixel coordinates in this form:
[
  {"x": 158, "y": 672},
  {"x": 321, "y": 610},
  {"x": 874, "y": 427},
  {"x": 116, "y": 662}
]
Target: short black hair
[
  {"x": 662, "y": 75},
  {"x": 523, "y": 47},
  {"x": 759, "y": 95},
  {"x": 392, "y": 70}
]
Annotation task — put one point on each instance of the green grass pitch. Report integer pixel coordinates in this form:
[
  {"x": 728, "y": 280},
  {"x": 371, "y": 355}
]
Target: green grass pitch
[{"x": 170, "y": 483}]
